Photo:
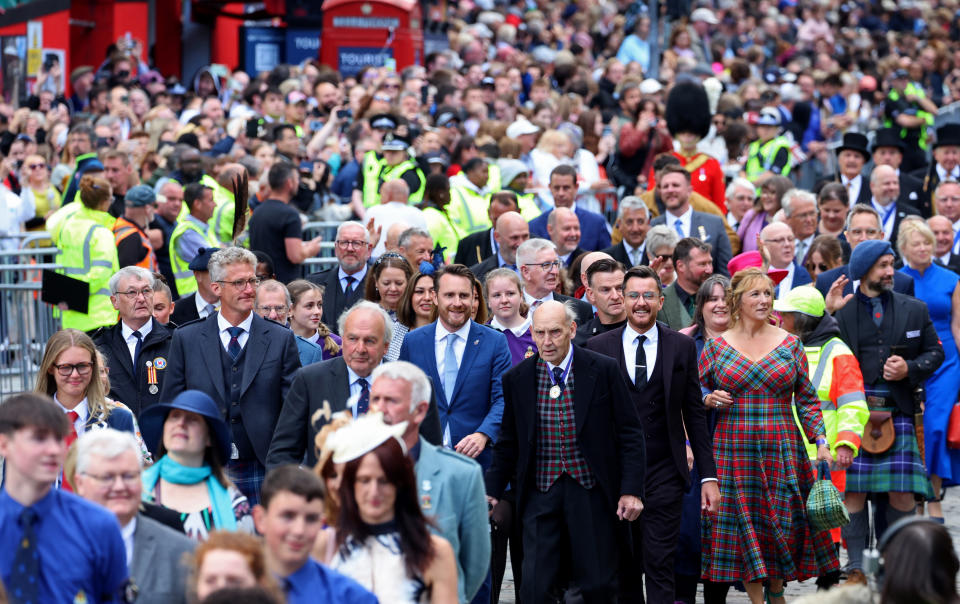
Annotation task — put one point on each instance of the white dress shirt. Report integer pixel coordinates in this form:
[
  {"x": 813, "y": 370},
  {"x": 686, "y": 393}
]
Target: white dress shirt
[
  {"x": 202, "y": 306},
  {"x": 82, "y": 409},
  {"x": 223, "y": 324},
  {"x": 530, "y": 300},
  {"x": 355, "y": 389},
  {"x": 630, "y": 336},
  {"x": 888, "y": 215},
  {"x": 563, "y": 365},
  {"x": 942, "y": 174},
  {"x": 359, "y": 275},
  {"x": 440, "y": 344},
  {"x": 630, "y": 250},
  {"x": 853, "y": 188},
  {"x": 956, "y": 237},
  {"x": 127, "y": 332},
  {"x": 127, "y": 533},
  {"x": 684, "y": 219},
  {"x": 787, "y": 283}
]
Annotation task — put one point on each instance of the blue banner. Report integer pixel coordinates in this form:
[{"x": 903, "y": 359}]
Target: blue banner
[
  {"x": 302, "y": 44},
  {"x": 350, "y": 60},
  {"x": 262, "y": 48}
]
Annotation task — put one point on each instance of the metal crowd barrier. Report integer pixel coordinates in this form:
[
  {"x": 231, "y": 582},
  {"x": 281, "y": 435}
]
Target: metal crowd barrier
[
  {"x": 26, "y": 323},
  {"x": 326, "y": 258}
]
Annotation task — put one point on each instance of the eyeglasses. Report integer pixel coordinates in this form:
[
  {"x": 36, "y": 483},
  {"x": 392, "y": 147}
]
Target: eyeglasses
[
  {"x": 35, "y": 166},
  {"x": 546, "y": 265},
  {"x": 66, "y": 370},
  {"x": 272, "y": 309},
  {"x": 820, "y": 267},
  {"x": 241, "y": 283},
  {"x": 346, "y": 244},
  {"x": 108, "y": 479},
  {"x": 867, "y": 232},
  {"x": 132, "y": 294},
  {"x": 648, "y": 296}
]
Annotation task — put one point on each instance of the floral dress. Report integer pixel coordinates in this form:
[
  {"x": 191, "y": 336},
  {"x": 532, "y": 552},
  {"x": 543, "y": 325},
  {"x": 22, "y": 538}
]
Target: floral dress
[{"x": 760, "y": 530}]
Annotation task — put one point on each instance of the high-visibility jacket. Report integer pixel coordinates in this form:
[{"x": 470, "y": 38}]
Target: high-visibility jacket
[
  {"x": 371, "y": 166},
  {"x": 182, "y": 275},
  {"x": 442, "y": 231},
  {"x": 468, "y": 210},
  {"x": 397, "y": 171},
  {"x": 494, "y": 179},
  {"x": 528, "y": 206},
  {"x": 835, "y": 374},
  {"x": 760, "y": 158},
  {"x": 88, "y": 253},
  {"x": 122, "y": 229},
  {"x": 222, "y": 219},
  {"x": 928, "y": 118}
]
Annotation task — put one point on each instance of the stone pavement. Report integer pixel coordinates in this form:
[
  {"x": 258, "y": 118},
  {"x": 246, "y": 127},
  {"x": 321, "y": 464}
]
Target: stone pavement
[{"x": 951, "y": 511}]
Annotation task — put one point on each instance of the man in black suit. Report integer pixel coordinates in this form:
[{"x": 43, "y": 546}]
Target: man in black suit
[
  {"x": 322, "y": 389},
  {"x": 137, "y": 347},
  {"x": 511, "y": 231},
  {"x": 343, "y": 284},
  {"x": 604, "y": 289},
  {"x": 242, "y": 361},
  {"x": 863, "y": 224},
  {"x": 885, "y": 191},
  {"x": 852, "y": 155},
  {"x": 477, "y": 247},
  {"x": 633, "y": 222},
  {"x": 888, "y": 150},
  {"x": 662, "y": 377},
  {"x": 203, "y": 302},
  {"x": 563, "y": 226},
  {"x": 540, "y": 271},
  {"x": 945, "y": 166},
  {"x": 943, "y": 234},
  {"x": 572, "y": 446},
  {"x": 897, "y": 346}
]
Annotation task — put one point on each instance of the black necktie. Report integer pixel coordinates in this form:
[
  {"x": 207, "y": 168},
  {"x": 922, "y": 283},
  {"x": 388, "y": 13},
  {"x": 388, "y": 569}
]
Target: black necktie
[
  {"x": 364, "y": 403},
  {"x": 234, "y": 346},
  {"x": 558, "y": 377},
  {"x": 640, "y": 366},
  {"x": 136, "y": 351},
  {"x": 25, "y": 573}
]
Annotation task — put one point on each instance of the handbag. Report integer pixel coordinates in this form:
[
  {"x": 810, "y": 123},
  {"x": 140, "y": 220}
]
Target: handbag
[
  {"x": 825, "y": 509},
  {"x": 953, "y": 427},
  {"x": 878, "y": 434}
]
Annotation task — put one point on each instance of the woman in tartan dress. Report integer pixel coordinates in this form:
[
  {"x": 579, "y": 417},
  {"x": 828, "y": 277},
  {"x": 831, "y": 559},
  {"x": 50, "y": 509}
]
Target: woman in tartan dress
[{"x": 755, "y": 369}]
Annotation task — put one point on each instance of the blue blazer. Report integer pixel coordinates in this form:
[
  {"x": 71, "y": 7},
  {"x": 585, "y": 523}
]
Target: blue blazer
[
  {"x": 270, "y": 361},
  {"x": 451, "y": 493},
  {"x": 477, "y": 402},
  {"x": 594, "y": 234},
  {"x": 309, "y": 352}
]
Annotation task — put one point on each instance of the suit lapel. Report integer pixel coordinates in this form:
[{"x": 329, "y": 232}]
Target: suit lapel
[
  {"x": 122, "y": 353},
  {"x": 525, "y": 406},
  {"x": 258, "y": 342},
  {"x": 430, "y": 358},
  {"x": 429, "y": 486},
  {"x": 474, "y": 339},
  {"x": 665, "y": 356},
  {"x": 211, "y": 354},
  {"x": 584, "y": 381},
  {"x": 144, "y": 550},
  {"x": 341, "y": 382}
]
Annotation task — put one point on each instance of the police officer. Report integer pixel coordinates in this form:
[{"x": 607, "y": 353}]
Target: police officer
[
  {"x": 397, "y": 163},
  {"x": 130, "y": 230},
  {"x": 135, "y": 347},
  {"x": 470, "y": 198},
  {"x": 907, "y": 108},
  {"x": 372, "y": 163},
  {"x": 769, "y": 155}
]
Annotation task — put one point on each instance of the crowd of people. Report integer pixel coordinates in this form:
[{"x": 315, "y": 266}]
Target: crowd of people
[{"x": 606, "y": 288}]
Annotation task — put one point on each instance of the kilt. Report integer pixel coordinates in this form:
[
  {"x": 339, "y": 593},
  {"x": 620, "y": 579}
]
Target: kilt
[
  {"x": 897, "y": 470},
  {"x": 247, "y": 476}
]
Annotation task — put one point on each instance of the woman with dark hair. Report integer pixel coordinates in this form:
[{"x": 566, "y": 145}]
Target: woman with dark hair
[
  {"x": 768, "y": 204},
  {"x": 192, "y": 444},
  {"x": 478, "y": 311},
  {"x": 436, "y": 199},
  {"x": 920, "y": 564},
  {"x": 416, "y": 307},
  {"x": 387, "y": 281},
  {"x": 833, "y": 202},
  {"x": 825, "y": 254},
  {"x": 383, "y": 539}
]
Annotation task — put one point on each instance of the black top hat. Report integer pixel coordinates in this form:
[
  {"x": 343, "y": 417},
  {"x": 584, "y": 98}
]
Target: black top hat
[
  {"x": 888, "y": 137},
  {"x": 854, "y": 141},
  {"x": 948, "y": 134}
]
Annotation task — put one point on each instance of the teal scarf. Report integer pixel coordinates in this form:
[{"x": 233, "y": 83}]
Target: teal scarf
[{"x": 171, "y": 471}]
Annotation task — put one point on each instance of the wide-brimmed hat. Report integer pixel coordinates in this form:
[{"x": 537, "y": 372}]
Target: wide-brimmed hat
[
  {"x": 195, "y": 401},
  {"x": 363, "y": 435},
  {"x": 948, "y": 134},
  {"x": 854, "y": 141},
  {"x": 888, "y": 137}
]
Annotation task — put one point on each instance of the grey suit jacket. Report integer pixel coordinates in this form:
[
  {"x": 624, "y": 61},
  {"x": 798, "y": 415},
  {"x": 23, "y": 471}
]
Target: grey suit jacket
[
  {"x": 709, "y": 229},
  {"x": 673, "y": 313},
  {"x": 158, "y": 568}
]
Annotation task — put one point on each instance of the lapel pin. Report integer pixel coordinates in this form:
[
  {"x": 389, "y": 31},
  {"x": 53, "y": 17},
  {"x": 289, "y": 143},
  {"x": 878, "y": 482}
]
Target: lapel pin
[{"x": 475, "y": 342}]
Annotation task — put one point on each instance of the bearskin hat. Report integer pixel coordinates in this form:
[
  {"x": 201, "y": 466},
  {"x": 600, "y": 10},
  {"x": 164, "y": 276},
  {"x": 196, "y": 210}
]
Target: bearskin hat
[{"x": 688, "y": 109}]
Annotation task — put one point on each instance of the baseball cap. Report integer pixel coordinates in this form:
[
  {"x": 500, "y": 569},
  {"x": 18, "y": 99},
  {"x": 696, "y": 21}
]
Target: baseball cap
[
  {"x": 520, "y": 127},
  {"x": 805, "y": 299},
  {"x": 650, "y": 86},
  {"x": 139, "y": 196},
  {"x": 295, "y": 97},
  {"x": 703, "y": 14}
]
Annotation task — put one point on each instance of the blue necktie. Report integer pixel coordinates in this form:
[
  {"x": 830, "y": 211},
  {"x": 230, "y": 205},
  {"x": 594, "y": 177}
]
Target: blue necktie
[
  {"x": 350, "y": 279},
  {"x": 234, "y": 346},
  {"x": 558, "y": 377},
  {"x": 363, "y": 405},
  {"x": 25, "y": 574},
  {"x": 679, "y": 227},
  {"x": 450, "y": 368},
  {"x": 136, "y": 351}
]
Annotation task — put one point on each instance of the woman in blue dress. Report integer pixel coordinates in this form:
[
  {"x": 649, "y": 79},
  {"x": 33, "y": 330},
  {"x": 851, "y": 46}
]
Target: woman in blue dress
[{"x": 938, "y": 287}]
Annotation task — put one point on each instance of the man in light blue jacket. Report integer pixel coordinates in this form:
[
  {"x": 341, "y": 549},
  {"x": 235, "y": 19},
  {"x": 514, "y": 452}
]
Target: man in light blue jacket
[{"x": 449, "y": 485}]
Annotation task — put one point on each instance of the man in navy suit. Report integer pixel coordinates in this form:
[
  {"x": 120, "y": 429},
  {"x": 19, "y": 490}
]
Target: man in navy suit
[
  {"x": 594, "y": 233},
  {"x": 780, "y": 243},
  {"x": 466, "y": 361},
  {"x": 343, "y": 284},
  {"x": 863, "y": 223},
  {"x": 674, "y": 188},
  {"x": 244, "y": 362}
]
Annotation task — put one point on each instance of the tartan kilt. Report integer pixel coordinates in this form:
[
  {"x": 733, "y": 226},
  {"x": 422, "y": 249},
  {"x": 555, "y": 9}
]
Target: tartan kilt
[
  {"x": 897, "y": 470},
  {"x": 247, "y": 476}
]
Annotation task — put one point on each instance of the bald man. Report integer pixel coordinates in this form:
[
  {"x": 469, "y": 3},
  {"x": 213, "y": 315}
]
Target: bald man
[
  {"x": 510, "y": 231},
  {"x": 780, "y": 243},
  {"x": 943, "y": 235},
  {"x": 563, "y": 226},
  {"x": 885, "y": 190},
  {"x": 393, "y": 208}
]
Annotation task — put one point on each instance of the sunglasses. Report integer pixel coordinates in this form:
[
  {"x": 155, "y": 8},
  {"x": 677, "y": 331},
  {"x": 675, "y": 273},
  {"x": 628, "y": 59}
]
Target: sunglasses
[{"x": 383, "y": 98}]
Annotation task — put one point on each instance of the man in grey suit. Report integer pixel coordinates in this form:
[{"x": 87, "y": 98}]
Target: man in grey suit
[
  {"x": 108, "y": 473},
  {"x": 674, "y": 188},
  {"x": 322, "y": 389},
  {"x": 449, "y": 485}
]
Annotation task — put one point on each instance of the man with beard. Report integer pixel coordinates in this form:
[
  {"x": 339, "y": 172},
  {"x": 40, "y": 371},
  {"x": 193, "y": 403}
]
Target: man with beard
[
  {"x": 692, "y": 261},
  {"x": 894, "y": 339},
  {"x": 344, "y": 284},
  {"x": 189, "y": 166}
]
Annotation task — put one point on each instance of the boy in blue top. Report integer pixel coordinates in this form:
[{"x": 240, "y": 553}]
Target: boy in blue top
[
  {"x": 54, "y": 546},
  {"x": 289, "y": 517}
]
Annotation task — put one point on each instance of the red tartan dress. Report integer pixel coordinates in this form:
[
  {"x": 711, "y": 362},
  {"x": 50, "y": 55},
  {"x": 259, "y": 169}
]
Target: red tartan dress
[{"x": 764, "y": 473}]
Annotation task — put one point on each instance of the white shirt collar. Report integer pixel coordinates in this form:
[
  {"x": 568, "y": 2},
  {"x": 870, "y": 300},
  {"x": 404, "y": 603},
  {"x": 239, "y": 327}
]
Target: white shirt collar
[
  {"x": 202, "y": 304},
  {"x": 943, "y": 173},
  {"x": 845, "y": 180},
  {"x": 127, "y": 533},
  {"x": 563, "y": 363},
  {"x": 684, "y": 218},
  {"x": 353, "y": 376},
  {"x": 630, "y": 334},
  {"x": 82, "y": 409},
  {"x": 462, "y": 333},
  {"x": 357, "y": 275},
  {"x": 518, "y": 331},
  {"x": 530, "y": 299},
  {"x": 223, "y": 324},
  {"x": 126, "y": 331}
]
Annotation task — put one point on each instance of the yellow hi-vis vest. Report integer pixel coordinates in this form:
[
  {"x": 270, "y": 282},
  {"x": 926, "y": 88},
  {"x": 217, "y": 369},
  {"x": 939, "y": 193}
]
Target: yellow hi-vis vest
[
  {"x": 442, "y": 231},
  {"x": 88, "y": 253},
  {"x": 397, "y": 171},
  {"x": 760, "y": 158},
  {"x": 371, "y": 178},
  {"x": 222, "y": 220},
  {"x": 182, "y": 275},
  {"x": 468, "y": 210}
]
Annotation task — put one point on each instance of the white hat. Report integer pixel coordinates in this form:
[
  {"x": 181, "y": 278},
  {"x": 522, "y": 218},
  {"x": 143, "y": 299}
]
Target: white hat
[
  {"x": 703, "y": 14},
  {"x": 363, "y": 435},
  {"x": 520, "y": 127},
  {"x": 650, "y": 86}
]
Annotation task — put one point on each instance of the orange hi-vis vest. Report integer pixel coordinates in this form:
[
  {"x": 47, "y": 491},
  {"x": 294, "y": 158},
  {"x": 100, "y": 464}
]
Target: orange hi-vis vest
[{"x": 122, "y": 229}]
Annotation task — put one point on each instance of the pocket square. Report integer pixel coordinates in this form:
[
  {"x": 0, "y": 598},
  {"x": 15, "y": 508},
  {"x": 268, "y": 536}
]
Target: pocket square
[{"x": 913, "y": 334}]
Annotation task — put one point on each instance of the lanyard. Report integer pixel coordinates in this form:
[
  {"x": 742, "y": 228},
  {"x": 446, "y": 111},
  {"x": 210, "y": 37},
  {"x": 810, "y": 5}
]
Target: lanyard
[
  {"x": 563, "y": 377},
  {"x": 886, "y": 214}
]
